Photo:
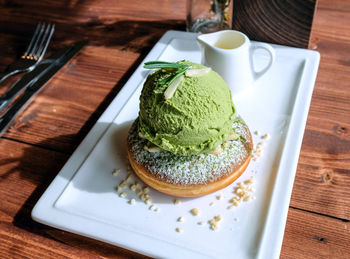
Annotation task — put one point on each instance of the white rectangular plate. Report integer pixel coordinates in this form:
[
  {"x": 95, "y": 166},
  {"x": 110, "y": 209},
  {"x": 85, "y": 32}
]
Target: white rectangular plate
[{"x": 83, "y": 199}]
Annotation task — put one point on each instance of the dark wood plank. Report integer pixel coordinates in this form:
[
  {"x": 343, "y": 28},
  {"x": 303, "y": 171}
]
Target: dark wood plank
[
  {"x": 275, "y": 21},
  {"x": 311, "y": 236},
  {"x": 323, "y": 175},
  {"x": 62, "y": 114}
]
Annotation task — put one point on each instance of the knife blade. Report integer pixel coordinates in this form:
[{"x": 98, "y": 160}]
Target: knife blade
[{"x": 34, "y": 81}]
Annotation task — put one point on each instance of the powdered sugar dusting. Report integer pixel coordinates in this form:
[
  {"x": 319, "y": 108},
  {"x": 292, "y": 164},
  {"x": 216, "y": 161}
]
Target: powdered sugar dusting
[{"x": 193, "y": 169}]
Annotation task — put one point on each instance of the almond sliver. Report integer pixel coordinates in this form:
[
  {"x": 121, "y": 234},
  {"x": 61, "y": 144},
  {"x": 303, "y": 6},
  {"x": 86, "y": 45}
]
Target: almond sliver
[
  {"x": 197, "y": 72},
  {"x": 169, "y": 92},
  {"x": 233, "y": 136}
]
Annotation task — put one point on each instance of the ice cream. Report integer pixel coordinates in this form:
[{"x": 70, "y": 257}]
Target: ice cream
[{"x": 196, "y": 119}]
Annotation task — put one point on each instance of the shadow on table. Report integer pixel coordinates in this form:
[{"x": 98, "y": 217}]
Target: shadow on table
[
  {"x": 128, "y": 35},
  {"x": 32, "y": 167}
]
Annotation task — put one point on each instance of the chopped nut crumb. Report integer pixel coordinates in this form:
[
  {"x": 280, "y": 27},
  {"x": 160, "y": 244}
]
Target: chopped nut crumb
[
  {"x": 123, "y": 184},
  {"x": 146, "y": 189},
  {"x": 211, "y": 204},
  {"x": 179, "y": 230},
  {"x": 123, "y": 194},
  {"x": 200, "y": 223},
  {"x": 244, "y": 192},
  {"x": 116, "y": 171},
  {"x": 152, "y": 207},
  {"x": 217, "y": 218},
  {"x": 219, "y": 197},
  {"x": 133, "y": 187},
  {"x": 180, "y": 219},
  {"x": 119, "y": 189},
  {"x": 129, "y": 177},
  {"x": 235, "y": 219},
  {"x": 194, "y": 211},
  {"x": 156, "y": 209},
  {"x": 148, "y": 201},
  {"x": 139, "y": 192},
  {"x": 251, "y": 180},
  {"x": 214, "y": 222},
  {"x": 256, "y": 132},
  {"x": 266, "y": 136},
  {"x": 176, "y": 201},
  {"x": 132, "y": 201}
]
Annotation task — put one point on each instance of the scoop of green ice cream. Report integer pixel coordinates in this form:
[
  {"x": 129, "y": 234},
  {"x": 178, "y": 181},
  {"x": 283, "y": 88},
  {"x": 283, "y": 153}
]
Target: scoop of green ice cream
[{"x": 196, "y": 119}]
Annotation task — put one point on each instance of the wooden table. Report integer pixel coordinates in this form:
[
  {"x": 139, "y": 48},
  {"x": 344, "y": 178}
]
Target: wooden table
[{"x": 121, "y": 33}]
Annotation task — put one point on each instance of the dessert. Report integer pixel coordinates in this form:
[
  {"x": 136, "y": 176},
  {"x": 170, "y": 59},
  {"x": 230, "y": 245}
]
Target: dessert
[{"x": 188, "y": 140}]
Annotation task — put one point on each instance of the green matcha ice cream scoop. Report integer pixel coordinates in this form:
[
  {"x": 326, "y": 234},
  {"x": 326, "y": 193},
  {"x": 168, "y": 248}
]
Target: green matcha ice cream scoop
[{"x": 186, "y": 108}]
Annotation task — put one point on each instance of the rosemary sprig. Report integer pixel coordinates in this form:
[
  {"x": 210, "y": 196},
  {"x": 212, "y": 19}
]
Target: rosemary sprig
[{"x": 180, "y": 69}]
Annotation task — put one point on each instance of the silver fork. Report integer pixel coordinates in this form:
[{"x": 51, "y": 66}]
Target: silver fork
[{"x": 34, "y": 53}]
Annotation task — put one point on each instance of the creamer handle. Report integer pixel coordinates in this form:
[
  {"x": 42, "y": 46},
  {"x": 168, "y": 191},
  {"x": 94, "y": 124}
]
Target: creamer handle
[{"x": 259, "y": 45}]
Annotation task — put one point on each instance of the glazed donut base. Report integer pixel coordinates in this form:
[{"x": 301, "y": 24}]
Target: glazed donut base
[{"x": 179, "y": 190}]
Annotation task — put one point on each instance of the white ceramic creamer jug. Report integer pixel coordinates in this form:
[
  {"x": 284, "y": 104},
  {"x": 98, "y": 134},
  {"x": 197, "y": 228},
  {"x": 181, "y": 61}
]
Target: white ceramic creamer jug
[{"x": 230, "y": 53}]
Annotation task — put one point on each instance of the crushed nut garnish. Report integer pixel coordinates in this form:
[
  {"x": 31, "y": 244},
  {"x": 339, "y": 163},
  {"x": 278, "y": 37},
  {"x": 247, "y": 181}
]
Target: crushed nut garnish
[
  {"x": 251, "y": 180},
  {"x": 116, "y": 171},
  {"x": 243, "y": 193},
  {"x": 132, "y": 201},
  {"x": 179, "y": 230},
  {"x": 133, "y": 187},
  {"x": 200, "y": 223},
  {"x": 123, "y": 184},
  {"x": 129, "y": 177},
  {"x": 139, "y": 192},
  {"x": 194, "y": 211},
  {"x": 180, "y": 219},
  {"x": 266, "y": 136},
  {"x": 122, "y": 194},
  {"x": 176, "y": 201},
  {"x": 214, "y": 222},
  {"x": 217, "y": 218},
  {"x": 119, "y": 189}
]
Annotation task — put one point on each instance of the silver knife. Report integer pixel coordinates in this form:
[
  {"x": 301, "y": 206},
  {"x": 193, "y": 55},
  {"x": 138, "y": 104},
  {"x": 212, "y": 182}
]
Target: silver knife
[{"x": 33, "y": 82}]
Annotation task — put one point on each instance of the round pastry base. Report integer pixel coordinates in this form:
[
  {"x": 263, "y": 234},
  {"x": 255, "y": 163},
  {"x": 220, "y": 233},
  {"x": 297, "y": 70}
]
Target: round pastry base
[{"x": 193, "y": 190}]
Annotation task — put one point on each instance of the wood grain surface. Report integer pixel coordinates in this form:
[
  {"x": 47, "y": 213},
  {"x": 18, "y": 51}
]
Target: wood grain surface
[
  {"x": 120, "y": 34},
  {"x": 276, "y": 21}
]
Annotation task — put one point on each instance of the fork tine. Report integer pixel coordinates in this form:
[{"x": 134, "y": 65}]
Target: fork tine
[
  {"x": 36, "y": 46},
  {"x": 35, "y": 35},
  {"x": 45, "y": 41}
]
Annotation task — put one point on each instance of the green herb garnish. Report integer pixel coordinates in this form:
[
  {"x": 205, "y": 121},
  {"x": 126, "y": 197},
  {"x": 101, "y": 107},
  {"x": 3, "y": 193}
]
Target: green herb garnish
[{"x": 180, "y": 69}]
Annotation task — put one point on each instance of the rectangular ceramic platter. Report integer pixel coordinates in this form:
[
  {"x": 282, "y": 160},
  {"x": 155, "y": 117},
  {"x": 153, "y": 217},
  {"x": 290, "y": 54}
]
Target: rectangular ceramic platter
[{"x": 83, "y": 199}]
